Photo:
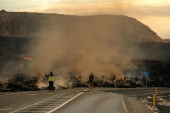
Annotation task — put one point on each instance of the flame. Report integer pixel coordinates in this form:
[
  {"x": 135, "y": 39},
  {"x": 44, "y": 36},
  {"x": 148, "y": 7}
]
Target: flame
[{"x": 27, "y": 58}]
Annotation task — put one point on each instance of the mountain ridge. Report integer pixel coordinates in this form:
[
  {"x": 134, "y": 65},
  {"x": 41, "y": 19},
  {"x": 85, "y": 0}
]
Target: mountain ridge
[{"x": 112, "y": 27}]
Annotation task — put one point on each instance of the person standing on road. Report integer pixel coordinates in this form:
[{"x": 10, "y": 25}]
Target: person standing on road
[
  {"x": 51, "y": 81},
  {"x": 91, "y": 77}
]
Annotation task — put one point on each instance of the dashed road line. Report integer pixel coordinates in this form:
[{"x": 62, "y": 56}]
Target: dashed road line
[
  {"x": 5, "y": 94},
  {"x": 31, "y": 105},
  {"x": 9, "y": 94},
  {"x": 49, "y": 104},
  {"x": 6, "y": 109},
  {"x": 26, "y": 111}
]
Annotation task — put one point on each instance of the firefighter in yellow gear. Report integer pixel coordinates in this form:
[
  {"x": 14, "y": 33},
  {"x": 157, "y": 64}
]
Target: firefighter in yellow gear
[{"x": 51, "y": 81}]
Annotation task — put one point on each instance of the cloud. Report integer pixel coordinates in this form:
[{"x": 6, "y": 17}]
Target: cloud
[
  {"x": 129, "y": 8},
  {"x": 151, "y": 10},
  {"x": 87, "y": 9}
]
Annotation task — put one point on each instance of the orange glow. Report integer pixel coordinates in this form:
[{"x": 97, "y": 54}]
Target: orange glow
[{"x": 28, "y": 58}]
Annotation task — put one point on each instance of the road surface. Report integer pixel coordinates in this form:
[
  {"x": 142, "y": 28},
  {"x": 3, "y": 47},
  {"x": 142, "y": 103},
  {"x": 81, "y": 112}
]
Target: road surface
[{"x": 81, "y": 100}]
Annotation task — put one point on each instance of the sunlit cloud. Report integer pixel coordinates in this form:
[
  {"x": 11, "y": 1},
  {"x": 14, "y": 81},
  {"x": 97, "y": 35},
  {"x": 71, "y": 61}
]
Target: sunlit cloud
[{"x": 85, "y": 9}]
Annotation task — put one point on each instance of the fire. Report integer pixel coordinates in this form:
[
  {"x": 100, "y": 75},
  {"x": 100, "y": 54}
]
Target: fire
[{"x": 27, "y": 58}]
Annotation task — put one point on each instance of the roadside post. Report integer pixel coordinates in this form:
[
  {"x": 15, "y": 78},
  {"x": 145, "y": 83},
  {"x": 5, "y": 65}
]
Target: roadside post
[
  {"x": 156, "y": 91},
  {"x": 154, "y": 100},
  {"x": 115, "y": 83},
  {"x": 70, "y": 86}
]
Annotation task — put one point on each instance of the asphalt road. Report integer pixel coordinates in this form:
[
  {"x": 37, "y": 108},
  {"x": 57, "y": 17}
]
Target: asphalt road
[{"x": 81, "y": 100}]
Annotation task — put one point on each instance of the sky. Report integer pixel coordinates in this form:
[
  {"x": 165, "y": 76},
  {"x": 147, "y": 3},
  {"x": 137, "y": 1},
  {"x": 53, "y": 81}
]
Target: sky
[{"x": 153, "y": 13}]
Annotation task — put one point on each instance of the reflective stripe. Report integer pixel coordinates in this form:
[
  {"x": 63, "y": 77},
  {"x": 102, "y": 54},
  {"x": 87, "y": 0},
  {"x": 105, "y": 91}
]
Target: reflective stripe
[{"x": 51, "y": 78}]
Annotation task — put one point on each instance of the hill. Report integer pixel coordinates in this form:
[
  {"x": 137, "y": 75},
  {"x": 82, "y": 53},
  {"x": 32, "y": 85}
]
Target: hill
[{"x": 110, "y": 27}]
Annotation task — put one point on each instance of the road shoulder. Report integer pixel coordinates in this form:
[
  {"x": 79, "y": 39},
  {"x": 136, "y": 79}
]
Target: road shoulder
[{"x": 134, "y": 105}]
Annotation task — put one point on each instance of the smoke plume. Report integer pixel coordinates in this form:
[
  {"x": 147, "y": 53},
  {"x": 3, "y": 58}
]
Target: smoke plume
[{"x": 69, "y": 56}]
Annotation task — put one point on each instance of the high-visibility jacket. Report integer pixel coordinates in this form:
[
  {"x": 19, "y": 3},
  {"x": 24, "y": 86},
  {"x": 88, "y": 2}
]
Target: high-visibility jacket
[{"x": 51, "y": 78}]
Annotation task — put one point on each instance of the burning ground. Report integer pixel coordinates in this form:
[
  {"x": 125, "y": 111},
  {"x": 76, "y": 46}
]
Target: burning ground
[{"x": 73, "y": 46}]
